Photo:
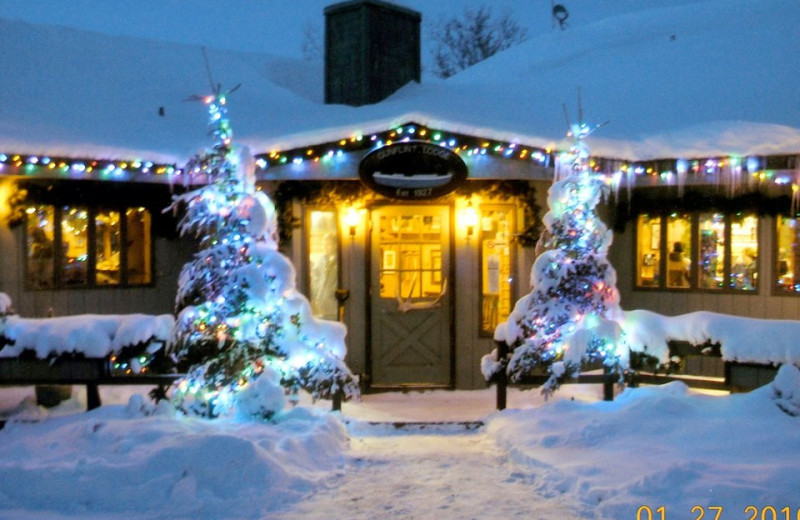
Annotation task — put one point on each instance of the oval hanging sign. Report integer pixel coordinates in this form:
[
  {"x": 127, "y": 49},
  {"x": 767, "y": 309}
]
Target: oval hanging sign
[{"x": 412, "y": 170}]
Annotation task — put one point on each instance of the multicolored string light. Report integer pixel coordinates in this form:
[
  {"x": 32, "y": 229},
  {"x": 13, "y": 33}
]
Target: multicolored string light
[{"x": 758, "y": 169}]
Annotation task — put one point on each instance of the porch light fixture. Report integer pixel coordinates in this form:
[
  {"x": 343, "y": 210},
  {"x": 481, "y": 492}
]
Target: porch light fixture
[
  {"x": 351, "y": 219},
  {"x": 470, "y": 219}
]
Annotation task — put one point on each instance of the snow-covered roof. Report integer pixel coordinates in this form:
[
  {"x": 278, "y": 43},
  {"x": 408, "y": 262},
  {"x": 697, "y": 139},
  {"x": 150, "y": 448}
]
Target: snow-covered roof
[{"x": 676, "y": 78}]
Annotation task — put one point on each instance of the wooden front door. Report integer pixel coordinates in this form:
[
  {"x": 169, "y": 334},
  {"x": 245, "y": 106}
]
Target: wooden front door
[{"x": 410, "y": 296}]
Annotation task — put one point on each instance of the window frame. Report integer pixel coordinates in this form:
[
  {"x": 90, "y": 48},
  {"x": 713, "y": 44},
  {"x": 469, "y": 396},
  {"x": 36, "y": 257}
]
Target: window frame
[
  {"x": 694, "y": 269},
  {"x": 56, "y": 274}
]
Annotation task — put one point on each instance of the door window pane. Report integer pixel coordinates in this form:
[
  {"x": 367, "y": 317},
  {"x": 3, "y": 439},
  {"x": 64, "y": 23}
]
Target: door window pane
[
  {"x": 40, "y": 238},
  {"x": 787, "y": 271},
  {"x": 323, "y": 259},
  {"x": 648, "y": 250},
  {"x": 679, "y": 240},
  {"x": 75, "y": 244},
  {"x": 410, "y": 256},
  {"x": 139, "y": 252},
  {"x": 711, "y": 249},
  {"x": 496, "y": 225},
  {"x": 108, "y": 229},
  {"x": 744, "y": 252}
]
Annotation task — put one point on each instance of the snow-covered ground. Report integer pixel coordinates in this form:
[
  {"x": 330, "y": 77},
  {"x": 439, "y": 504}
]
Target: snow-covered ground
[{"x": 572, "y": 457}]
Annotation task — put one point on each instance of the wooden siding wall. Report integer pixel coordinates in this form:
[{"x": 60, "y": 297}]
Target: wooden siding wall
[
  {"x": 170, "y": 255},
  {"x": 762, "y": 304}
]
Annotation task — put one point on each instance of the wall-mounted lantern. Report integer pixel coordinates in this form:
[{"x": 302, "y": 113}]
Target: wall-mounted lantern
[
  {"x": 351, "y": 220},
  {"x": 469, "y": 218}
]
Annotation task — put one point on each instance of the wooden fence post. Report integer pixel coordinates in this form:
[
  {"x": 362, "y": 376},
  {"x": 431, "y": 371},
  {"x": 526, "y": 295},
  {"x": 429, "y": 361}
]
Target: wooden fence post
[
  {"x": 501, "y": 378},
  {"x": 608, "y": 386},
  {"x": 336, "y": 405}
]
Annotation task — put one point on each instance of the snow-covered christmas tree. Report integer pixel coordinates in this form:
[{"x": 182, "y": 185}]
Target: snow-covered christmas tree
[
  {"x": 571, "y": 316},
  {"x": 244, "y": 334}
]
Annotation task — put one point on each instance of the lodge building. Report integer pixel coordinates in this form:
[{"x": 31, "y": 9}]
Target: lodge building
[{"x": 420, "y": 237}]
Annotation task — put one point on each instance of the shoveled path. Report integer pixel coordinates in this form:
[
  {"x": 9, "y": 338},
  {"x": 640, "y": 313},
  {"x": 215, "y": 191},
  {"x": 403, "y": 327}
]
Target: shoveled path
[{"x": 418, "y": 476}]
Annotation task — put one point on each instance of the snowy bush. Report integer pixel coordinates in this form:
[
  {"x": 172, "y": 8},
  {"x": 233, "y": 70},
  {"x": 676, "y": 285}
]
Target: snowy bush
[
  {"x": 5, "y": 304},
  {"x": 786, "y": 389},
  {"x": 244, "y": 332}
]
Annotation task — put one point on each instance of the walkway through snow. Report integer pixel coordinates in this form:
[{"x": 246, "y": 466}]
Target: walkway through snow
[{"x": 422, "y": 476}]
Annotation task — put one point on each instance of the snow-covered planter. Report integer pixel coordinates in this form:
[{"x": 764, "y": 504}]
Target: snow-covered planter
[
  {"x": 741, "y": 340},
  {"x": 786, "y": 389},
  {"x": 5, "y": 304},
  {"x": 132, "y": 338}
]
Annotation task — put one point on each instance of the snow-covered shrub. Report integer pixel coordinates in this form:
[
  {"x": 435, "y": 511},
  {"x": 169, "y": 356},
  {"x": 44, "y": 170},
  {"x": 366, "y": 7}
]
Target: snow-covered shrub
[
  {"x": 786, "y": 389},
  {"x": 5, "y": 304}
]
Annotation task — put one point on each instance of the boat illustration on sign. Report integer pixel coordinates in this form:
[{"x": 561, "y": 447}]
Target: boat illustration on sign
[{"x": 417, "y": 180}]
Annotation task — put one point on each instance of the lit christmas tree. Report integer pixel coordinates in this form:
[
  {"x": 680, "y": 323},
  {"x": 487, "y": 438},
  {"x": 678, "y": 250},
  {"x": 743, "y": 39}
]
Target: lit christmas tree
[
  {"x": 572, "y": 314},
  {"x": 244, "y": 334}
]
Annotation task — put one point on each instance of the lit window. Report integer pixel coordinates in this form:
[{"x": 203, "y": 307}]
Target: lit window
[
  {"x": 40, "y": 240},
  {"x": 108, "y": 231},
  {"x": 138, "y": 232},
  {"x": 411, "y": 256},
  {"x": 744, "y": 252},
  {"x": 648, "y": 250},
  {"x": 75, "y": 244},
  {"x": 711, "y": 263},
  {"x": 708, "y": 251},
  {"x": 496, "y": 225},
  {"x": 787, "y": 271},
  {"x": 97, "y": 247},
  {"x": 679, "y": 240},
  {"x": 323, "y": 261}
]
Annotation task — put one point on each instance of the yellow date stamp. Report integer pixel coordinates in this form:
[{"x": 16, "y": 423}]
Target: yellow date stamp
[{"x": 719, "y": 513}]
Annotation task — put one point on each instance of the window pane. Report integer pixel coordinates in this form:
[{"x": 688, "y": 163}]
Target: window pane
[
  {"x": 679, "y": 240},
  {"x": 496, "y": 225},
  {"x": 711, "y": 261},
  {"x": 410, "y": 256},
  {"x": 139, "y": 252},
  {"x": 788, "y": 267},
  {"x": 75, "y": 240},
  {"x": 648, "y": 252},
  {"x": 744, "y": 252},
  {"x": 324, "y": 264},
  {"x": 40, "y": 231},
  {"x": 108, "y": 240}
]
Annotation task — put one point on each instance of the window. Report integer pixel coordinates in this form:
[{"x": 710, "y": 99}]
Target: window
[
  {"x": 40, "y": 238},
  {"x": 679, "y": 240},
  {"x": 496, "y": 225},
  {"x": 709, "y": 251},
  {"x": 787, "y": 270},
  {"x": 712, "y": 231},
  {"x": 98, "y": 247},
  {"x": 648, "y": 250},
  {"x": 744, "y": 252},
  {"x": 323, "y": 261},
  {"x": 411, "y": 256}
]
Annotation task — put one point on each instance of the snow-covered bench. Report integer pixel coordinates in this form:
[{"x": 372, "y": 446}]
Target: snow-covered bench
[
  {"x": 730, "y": 353},
  {"x": 88, "y": 349},
  {"x": 750, "y": 350}
]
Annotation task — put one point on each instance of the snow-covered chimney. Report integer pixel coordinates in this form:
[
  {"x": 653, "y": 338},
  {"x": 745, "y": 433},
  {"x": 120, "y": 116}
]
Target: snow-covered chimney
[{"x": 372, "y": 48}]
